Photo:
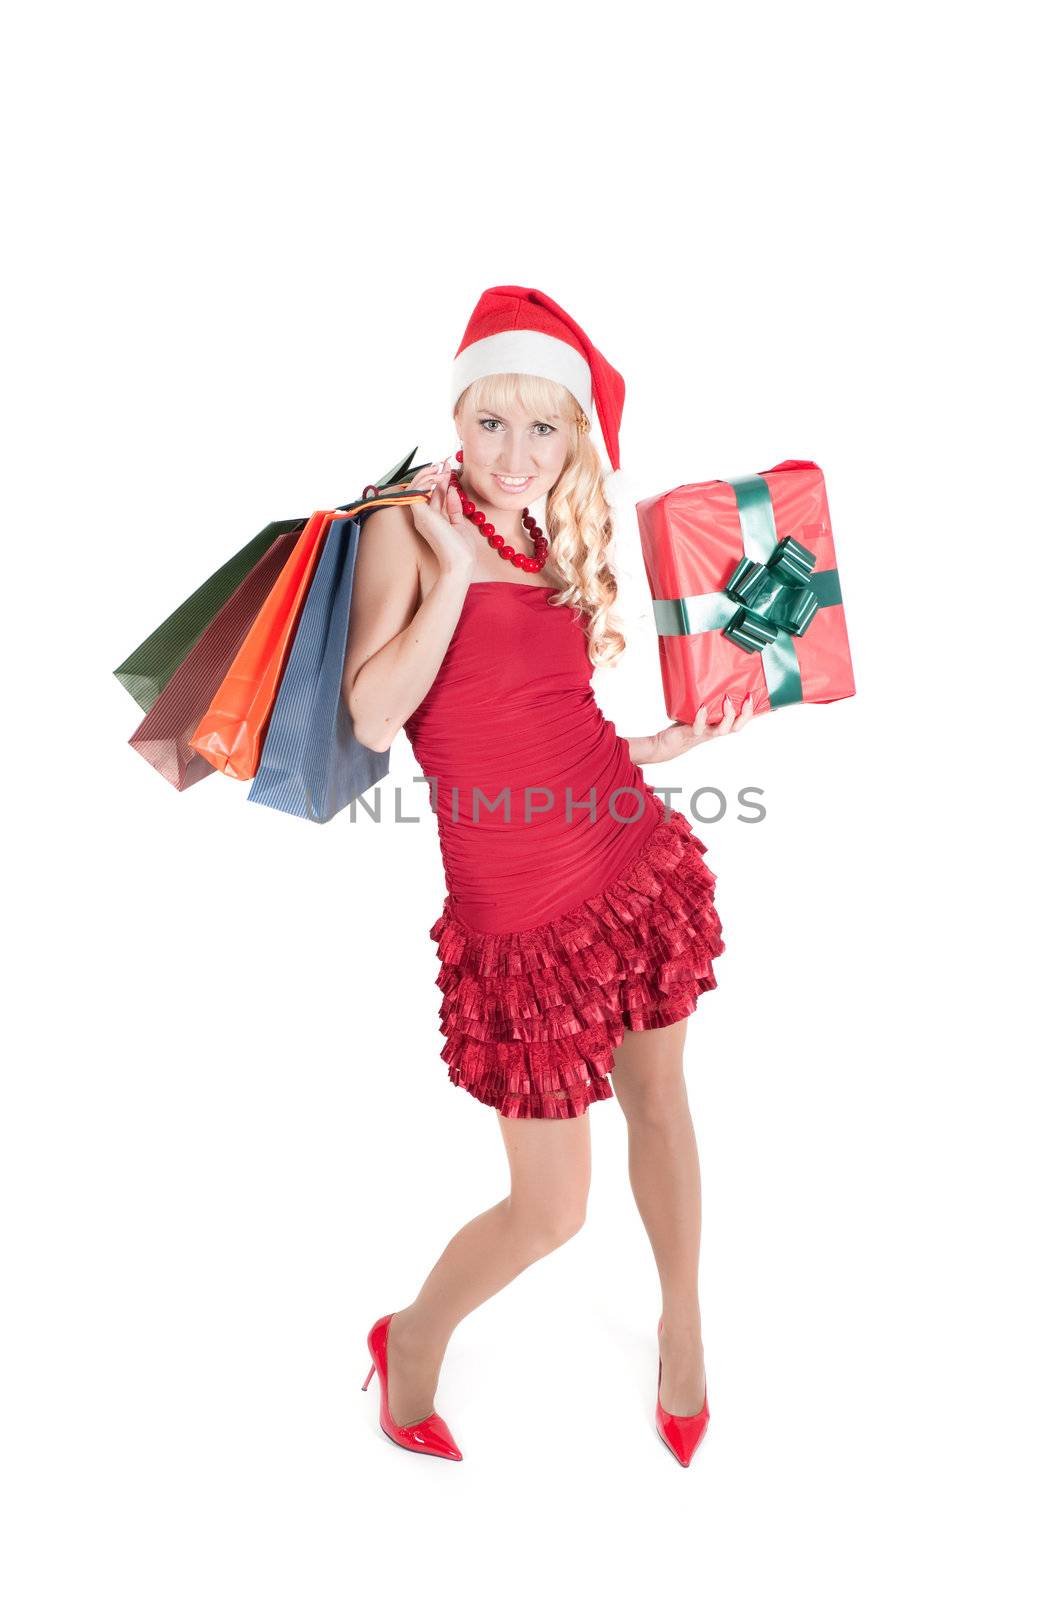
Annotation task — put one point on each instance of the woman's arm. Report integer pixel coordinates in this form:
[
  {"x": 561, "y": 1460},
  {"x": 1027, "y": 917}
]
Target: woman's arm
[
  {"x": 681, "y": 736},
  {"x": 396, "y": 642},
  {"x": 643, "y": 750}
]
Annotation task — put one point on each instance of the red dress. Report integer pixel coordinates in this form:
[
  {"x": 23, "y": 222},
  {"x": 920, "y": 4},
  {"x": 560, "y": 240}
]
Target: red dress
[{"x": 558, "y": 931}]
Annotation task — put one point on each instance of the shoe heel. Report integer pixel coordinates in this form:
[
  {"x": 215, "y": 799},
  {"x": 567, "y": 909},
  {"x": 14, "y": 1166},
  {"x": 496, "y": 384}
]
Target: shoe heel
[
  {"x": 681, "y": 1433},
  {"x": 430, "y": 1435}
]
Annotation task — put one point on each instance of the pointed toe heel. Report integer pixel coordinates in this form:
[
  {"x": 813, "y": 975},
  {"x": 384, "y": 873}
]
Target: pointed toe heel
[
  {"x": 430, "y": 1436},
  {"x": 682, "y": 1434}
]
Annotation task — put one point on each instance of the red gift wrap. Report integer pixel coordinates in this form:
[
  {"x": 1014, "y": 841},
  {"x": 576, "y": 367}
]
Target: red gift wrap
[{"x": 746, "y": 593}]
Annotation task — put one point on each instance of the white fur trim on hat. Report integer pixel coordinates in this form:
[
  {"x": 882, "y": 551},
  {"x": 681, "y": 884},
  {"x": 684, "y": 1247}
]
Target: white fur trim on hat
[
  {"x": 615, "y": 489},
  {"x": 524, "y": 350}
]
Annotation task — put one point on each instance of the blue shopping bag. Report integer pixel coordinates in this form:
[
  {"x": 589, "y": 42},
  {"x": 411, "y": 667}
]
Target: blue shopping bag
[{"x": 311, "y": 763}]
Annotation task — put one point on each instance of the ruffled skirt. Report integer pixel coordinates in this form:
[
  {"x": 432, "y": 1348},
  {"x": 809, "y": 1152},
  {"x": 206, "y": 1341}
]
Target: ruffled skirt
[{"x": 532, "y": 1017}]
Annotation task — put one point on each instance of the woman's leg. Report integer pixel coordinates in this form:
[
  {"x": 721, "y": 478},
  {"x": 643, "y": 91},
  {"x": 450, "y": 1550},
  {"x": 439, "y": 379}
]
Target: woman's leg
[
  {"x": 666, "y": 1182},
  {"x": 550, "y": 1172}
]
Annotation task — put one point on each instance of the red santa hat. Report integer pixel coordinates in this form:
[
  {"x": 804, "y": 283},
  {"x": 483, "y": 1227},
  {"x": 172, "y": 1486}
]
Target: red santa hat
[{"x": 523, "y": 330}]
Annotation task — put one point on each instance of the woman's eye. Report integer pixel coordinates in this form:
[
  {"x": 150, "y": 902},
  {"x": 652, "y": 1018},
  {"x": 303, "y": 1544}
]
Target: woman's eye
[{"x": 485, "y": 422}]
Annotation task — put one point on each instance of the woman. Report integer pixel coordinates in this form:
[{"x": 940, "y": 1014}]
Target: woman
[{"x": 579, "y": 926}]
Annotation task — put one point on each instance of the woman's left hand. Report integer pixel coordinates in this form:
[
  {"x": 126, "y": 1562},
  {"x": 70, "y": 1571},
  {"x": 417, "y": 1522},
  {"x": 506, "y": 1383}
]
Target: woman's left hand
[{"x": 681, "y": 736}]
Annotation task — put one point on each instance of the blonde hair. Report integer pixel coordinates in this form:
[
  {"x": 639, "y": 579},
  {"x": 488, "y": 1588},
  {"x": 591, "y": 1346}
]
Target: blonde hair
[{"x": 579, "y": 521}]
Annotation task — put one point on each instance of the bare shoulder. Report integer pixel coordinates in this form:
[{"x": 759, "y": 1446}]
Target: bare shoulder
[
  {"x": 387, "y": 585},
  {"x": 390, "y": 529}
]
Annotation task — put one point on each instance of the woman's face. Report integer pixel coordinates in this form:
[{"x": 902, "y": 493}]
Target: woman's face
[{"x": 517, "y": 445}]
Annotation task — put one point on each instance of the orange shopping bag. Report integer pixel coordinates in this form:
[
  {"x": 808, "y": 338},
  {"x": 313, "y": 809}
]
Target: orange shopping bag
[
  {"x": 230, "y": 736},
  {"x": 232, "y": 733}
]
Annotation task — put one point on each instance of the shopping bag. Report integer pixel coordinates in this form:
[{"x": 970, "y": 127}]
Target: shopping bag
[
  {"x": 147, "y": 670},
  {"x": 312, "y": 765},
  {"x": 230, "y": 734},
  {"x": 163, "y": 736}
]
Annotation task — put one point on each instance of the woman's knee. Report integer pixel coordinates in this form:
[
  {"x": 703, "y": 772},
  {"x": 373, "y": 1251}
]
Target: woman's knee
[
  {"x": 653, "y": 1099},
  {"x": 550, "y": 1172},
  {"x": 648, "y": 1075},
  {"x": 548, "y": 1221}
]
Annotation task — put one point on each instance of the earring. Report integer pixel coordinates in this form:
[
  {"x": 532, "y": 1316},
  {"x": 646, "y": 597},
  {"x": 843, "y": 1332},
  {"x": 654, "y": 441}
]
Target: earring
[{"x": 459, "y": 456}]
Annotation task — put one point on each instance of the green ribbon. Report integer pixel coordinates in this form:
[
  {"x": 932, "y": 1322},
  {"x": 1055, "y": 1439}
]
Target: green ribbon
[{"x": 768, "y": 601}]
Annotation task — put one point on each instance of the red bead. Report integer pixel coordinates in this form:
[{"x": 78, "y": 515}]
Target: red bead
[
  {"x": 516, "y": 558},
  {"x": 459, "y": 456}
]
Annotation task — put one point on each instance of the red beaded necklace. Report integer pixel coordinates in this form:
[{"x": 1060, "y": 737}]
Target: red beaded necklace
[{"x": 534, "y": 563}]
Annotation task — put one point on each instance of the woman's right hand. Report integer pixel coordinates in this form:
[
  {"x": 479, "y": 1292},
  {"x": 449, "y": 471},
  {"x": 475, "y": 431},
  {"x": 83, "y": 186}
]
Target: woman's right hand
[{"x": 440, "y": 520}]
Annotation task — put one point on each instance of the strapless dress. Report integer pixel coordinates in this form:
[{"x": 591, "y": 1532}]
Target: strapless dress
[{"x": 578, "y": 905}]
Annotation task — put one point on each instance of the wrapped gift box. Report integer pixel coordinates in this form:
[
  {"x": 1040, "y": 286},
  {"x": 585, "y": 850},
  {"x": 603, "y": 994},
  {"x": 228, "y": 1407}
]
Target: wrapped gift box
[{"x": 746, "y": 593}]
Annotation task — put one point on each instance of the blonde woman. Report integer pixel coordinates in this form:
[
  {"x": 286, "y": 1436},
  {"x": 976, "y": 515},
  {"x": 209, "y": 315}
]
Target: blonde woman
[{"x": 579, "y": 925}]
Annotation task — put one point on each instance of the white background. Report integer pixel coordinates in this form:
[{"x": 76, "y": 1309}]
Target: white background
[{"x": 244, "y": 244}]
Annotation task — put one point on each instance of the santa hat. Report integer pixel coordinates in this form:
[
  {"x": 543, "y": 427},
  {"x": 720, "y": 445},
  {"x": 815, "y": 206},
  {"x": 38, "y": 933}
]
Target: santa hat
[{"x": 523, "y": 330}]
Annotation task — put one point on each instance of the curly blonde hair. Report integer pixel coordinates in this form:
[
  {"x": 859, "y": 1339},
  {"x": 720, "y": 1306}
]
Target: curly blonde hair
[{"x": 579, "y": 520}]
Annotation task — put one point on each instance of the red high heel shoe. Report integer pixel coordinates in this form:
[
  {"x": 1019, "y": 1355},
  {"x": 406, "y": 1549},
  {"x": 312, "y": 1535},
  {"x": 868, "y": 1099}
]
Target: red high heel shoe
[
  {"x": 430, "y": 1436},
  {"x": 682, "y": 1434}
]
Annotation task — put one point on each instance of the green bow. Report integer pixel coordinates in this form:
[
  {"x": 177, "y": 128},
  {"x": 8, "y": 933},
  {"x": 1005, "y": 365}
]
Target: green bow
[{"x": 768, "y": 601}]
